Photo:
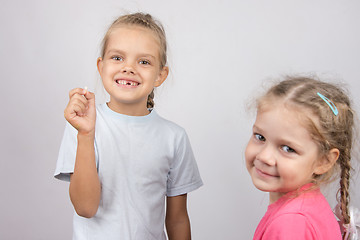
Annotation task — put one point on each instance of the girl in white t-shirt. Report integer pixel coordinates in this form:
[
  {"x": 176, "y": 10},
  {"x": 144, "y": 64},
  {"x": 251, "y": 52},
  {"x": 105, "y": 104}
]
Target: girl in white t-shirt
[{"x": 122, "y": 159}]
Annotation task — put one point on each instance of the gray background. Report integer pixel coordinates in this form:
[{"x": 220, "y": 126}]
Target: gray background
[{"x": 221, "y": 53}]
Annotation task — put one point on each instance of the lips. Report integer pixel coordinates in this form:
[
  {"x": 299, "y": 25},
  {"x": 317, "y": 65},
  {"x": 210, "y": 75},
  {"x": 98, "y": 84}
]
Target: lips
[
  {"x": 127, "y": 82},
  {"x": 270, "y": 172},
  {"x": 262, "y": 173}
]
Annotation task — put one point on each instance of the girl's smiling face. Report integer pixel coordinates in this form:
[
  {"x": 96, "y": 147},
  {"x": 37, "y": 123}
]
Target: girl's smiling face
[
  {"x": 281, "y": 155},
  {"x": 130, "y": 68}
]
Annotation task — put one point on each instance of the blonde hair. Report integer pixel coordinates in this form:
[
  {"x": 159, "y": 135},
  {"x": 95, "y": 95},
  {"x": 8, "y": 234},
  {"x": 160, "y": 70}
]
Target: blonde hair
[
  {"x": 148, "y": 22},
  {"x": 329, "y": 131}
]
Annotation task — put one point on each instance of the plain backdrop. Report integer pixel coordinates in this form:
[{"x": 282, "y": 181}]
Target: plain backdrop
[{"x": 221, "y": 53}]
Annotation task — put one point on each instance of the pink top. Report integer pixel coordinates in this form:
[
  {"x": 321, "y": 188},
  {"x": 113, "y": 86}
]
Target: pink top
[{"x": 307, "y": 216}]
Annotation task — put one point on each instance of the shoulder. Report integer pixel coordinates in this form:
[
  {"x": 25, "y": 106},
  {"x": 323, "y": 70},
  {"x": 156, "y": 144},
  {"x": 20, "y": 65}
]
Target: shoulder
[
  {"x": 309, "y": 216},
  {"x": 168, "y": 125},
  {"x": 101, "y": 109},
  {"x": 291, "y": 225},
  {"x": 306, "y": 203},
  {"x": 289, "y": 219}
]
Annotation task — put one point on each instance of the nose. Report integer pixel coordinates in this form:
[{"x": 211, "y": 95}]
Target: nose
[
  {"x": 267, "y": 155},
  {"x": 128, "y": 68}
]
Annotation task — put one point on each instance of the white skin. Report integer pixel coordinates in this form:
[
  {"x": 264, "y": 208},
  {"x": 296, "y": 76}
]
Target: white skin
[
  {"x": 130, "y": 70},
  {"x": 281, "y": 155}
]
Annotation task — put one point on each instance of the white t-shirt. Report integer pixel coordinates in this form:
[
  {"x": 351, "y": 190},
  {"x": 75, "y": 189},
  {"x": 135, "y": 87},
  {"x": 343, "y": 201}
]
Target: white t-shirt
[{"x": 140, "y": 161}]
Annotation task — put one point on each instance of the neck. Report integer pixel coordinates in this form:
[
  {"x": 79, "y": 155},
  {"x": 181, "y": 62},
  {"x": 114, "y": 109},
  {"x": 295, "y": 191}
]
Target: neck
[
  {"x": 274, "y": 196},
  {"x": 129, "y": 109}
]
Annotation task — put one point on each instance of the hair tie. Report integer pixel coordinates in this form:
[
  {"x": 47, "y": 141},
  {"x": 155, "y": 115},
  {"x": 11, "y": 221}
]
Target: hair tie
[
  {"x": 352, "y": 229},
  {"x": 145, "y": 21},
  {"x": 330, "y": 103}
]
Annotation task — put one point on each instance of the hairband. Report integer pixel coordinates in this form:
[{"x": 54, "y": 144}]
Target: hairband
[
  {"x": 351, "y": 230},
  {"x": 330, "y": 103}
]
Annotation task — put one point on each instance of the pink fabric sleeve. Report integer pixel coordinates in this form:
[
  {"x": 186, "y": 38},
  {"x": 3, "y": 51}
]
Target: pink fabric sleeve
[{"x": 289, "y": 226}]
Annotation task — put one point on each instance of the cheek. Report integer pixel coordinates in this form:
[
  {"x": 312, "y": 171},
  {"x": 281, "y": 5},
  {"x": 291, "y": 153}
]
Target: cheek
[
  {"x": 249, "y": 155},
  {"x": 153, "y": 75},
  {"x": 289, "y": 171},
  {"x": 284, "y": 170},
  {"x": 103, "y": 73},
  {"x": 110, "y": 68}
]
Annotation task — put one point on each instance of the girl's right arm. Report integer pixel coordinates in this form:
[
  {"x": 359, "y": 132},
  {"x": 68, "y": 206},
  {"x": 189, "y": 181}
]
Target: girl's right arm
[{"x": 85, "y": 186}]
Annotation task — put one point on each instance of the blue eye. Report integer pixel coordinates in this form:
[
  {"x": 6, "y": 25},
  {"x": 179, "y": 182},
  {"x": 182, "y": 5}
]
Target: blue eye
[
  {"x": 117, "y": 58},
  {"x": 144, "y": 62},
  {"x": 259, "y": 137},
  {"x": 288, "y": 149}
]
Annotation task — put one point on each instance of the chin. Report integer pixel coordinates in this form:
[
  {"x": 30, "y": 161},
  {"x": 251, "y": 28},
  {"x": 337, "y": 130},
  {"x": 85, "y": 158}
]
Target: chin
[{"x": 261, "y": 187}]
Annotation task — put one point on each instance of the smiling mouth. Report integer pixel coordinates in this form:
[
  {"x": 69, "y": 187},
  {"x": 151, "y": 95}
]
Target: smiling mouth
[
  {"x": 127, "y": 82},
  {"x": 264, "y": 173}
]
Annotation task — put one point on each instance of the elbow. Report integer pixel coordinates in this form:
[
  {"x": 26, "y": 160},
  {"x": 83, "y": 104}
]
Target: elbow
[
  {"x": 85, "y": 206},
  {"x": 86, "y": 202},
  {"x": 86, "y": 212},
  {"x": 86, "y": 209}
]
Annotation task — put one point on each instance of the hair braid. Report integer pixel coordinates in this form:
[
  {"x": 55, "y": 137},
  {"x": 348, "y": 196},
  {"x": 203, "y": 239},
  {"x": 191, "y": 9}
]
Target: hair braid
[
  {"x": 344, "y": 189},
  {"x": 150, "y": 100}
]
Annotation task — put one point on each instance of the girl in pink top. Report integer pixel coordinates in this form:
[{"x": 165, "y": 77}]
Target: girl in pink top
[{"x": 303, "y": 133}]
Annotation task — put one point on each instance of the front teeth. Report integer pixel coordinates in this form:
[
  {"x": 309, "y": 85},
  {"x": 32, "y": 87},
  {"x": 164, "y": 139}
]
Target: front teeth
[{"x": 124, "y": 82}]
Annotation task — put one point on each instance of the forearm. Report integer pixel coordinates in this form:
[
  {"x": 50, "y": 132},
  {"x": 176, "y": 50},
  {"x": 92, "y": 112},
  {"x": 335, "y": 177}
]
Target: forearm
[
  {"x": 178, "y": 229},
  {"x": 85, "y": 186}
]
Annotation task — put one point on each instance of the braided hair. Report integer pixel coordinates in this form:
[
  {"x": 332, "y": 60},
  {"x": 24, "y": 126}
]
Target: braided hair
[{"x": 330, "y": 131}]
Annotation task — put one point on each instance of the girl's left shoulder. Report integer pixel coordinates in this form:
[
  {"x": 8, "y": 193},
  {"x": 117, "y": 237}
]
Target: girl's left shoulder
[
  {"x": 304, "y": 201},
  {"x": 167, "y": 125}
]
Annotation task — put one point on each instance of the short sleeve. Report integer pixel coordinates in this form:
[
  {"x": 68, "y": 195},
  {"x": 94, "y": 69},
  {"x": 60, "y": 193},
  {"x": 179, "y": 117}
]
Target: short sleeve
[
  {"x": 290, "y": 226},
  {"x": 184, "y": 174},
  {"x": 67, "y": 154}
]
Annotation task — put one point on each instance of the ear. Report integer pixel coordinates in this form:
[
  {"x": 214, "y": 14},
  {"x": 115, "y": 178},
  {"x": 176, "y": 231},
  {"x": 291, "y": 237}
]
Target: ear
[
  {"x": 327, "y": 162},
  {"x": 162, "y": 76},
  {"x": 99, "y": 64}
]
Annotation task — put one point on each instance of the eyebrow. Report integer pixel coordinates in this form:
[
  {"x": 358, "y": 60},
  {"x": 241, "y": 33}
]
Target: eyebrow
[
  {"x": 117, "y": 51},
  {"x": 289, "y": 142},
  {"x": 256, "y": 128}
]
